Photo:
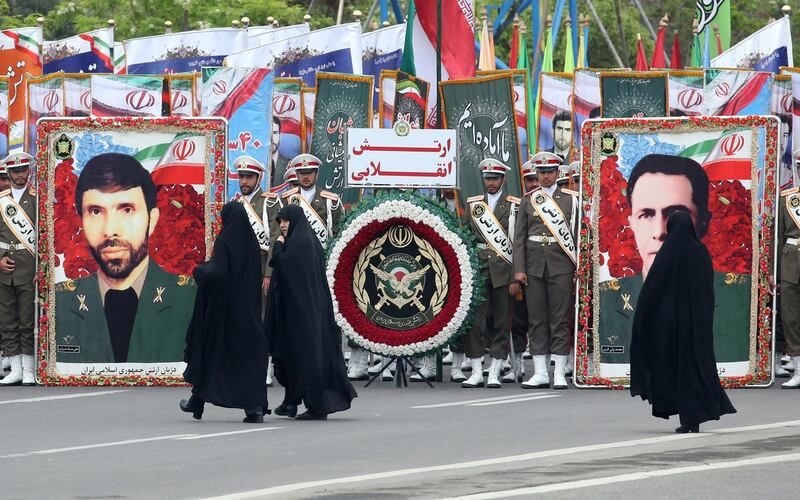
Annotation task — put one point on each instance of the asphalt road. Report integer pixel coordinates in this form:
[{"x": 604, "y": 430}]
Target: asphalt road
[{"x": 414, "y": 442}]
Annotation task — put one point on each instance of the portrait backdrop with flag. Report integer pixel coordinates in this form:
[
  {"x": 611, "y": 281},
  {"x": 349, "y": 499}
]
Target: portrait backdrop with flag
[
  {"x": 728, "y": 92},
  {"x": 77, "y": 94},
  {"x": 342, "y": 101},
  {"x": 127, "y": 95},
  {"x": 738, "y": 155},
  {"x": 82, "y": 339},
  {"x": 685, "y": 89},
  {"x": 182, "y": 52},
  {"x": 336, "y": 49},
  {"x": 781, "y": 106},
  {"x": 20, "y": 54},
  {"x": 482, "y": 111},
  {"x": 244, "y": 98},
  {"x": 182, "y": 94},
  {"x": 633, "y": 95},
  {"x": 287, "y": 109},
  {"x": 45, "y": 96},
  {"x": 585, "y": 101},
  {"x": 3, "y": 116},
  {"x": 381, "y": 50},
  {"x": 309, "y": 98},
  {"x": 765, "y": 50},
  {"x": 89, "y": 52},
  {"x": 555, "y": 96}
]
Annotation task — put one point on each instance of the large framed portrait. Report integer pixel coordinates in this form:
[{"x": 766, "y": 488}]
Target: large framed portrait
[
  {"x": 127, "y": 208},
  {"x": 636, "y": 172}
]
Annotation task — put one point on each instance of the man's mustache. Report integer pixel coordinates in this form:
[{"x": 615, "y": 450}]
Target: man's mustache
[{"x": 115, "y": 242}]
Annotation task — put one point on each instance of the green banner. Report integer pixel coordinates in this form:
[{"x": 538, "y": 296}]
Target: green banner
[
  {"x": 633, "y": 95},
  {"x": 343, "y": 101},
  {"x": 482, "y": 111}
]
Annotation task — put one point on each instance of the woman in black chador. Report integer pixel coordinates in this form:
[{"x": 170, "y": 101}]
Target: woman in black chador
[
  {"x": 305, "y": 341},
  {"x": 226, "y": 349},
  {"x": 672, "y": 344}
]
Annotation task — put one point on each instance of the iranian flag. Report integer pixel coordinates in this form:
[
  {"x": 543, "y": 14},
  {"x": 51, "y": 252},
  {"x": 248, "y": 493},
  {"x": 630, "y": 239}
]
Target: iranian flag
[
  {"x": 728, "y": 157},
  {"x": 20, "y": 53},
  {"x": 177, "y": 162},
  {"x": 181, "y": 96},
  {"x": 45, "y": 98},
  {"x": 731, "y": 92},
  {"x": 125, "y": 95},
  {"x": 78, "y": 95},
  {"x": 120, "y": 66},
  {"x": 685, "y": 93},
  {"x": 457, "y": 44}
]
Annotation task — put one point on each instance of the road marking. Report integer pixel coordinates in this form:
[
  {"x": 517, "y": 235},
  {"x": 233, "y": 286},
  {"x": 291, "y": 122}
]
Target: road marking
[
  {"x": 633, "y": 476},
  {"x": 289, "y": 488},
  {"x": 231, "y": 433},
  {"x": 472, "y": 401},
  {"x": 515, "y": 400},
  {"x": 63, "y": 396},
  {"x": 133, "y": 441}
]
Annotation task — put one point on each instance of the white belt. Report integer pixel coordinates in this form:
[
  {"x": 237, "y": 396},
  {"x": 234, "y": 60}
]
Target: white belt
[
  {"x": 543, "y": 239},
  {"x": 793, "y": 241},
  {"x": 482, "y": 246},
  {"x": 6, "y": 246}
]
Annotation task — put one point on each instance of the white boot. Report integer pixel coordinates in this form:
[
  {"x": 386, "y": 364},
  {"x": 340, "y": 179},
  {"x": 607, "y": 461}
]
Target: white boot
[
  {"x": 448, "y": 358},
  {"x": 427, "y": 368},
  {"x": 494, "y": 374},
  {"x": 28, "y": 370},
  {"x": 540, "y": 378},
  {"x": 570, "y": 364},
  {"x": 476, "y": 379},
  {"x": 786, "y": 362},
  {"x": 456, "y": 375},
  {"x": 793, "y": 383},
  {"x": 270, "y": 372},
  {"x": 559, "y": 379},
  {"x": 5, "y": 364},
  {"x": 509, "y": 377},
  {"x": 466, "y": 365},
  {"x": 357, "y": 366},
  {"x": 15, "y": 377},
  {"x": 780, "y": 371},
  {"x": 377, "y": 364}
]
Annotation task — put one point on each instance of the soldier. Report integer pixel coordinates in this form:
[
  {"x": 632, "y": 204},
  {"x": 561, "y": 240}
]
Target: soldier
[
  {"x": 789, "y": 266},
  {"x": 290, "y": 177},
  {"x": 491, "y": 217},
  {"x": 5, "y": 184},
  {"x": 261, "y": 208},
  {"x": 17, "y": 270},
  {"x": 544, "y": 261}
]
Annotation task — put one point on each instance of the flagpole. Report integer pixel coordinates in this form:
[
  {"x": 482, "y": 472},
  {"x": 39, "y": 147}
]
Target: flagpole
[{"x": 438, "y": 62}]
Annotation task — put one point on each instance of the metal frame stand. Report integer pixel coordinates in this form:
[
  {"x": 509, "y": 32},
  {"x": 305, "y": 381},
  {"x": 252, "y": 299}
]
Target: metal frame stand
[{"x": 400, "y": 379}]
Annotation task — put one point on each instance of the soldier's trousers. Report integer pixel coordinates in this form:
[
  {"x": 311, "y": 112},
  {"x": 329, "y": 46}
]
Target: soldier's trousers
[
  {"x": 16, "y": 319},
  {"x": 519, "y": 324},
  {"x": 549, "y": 300},
  {"x": 790, "y": 315},
  {"x": 491, "y": 322}
]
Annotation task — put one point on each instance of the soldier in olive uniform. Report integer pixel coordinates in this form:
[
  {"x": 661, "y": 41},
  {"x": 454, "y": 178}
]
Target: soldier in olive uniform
[
  {"x": 491, "y": 217},
  {"x": 17, "y": 270},
  {"x": 789, "y": 269},
  {"x": 544, "y": 261},
  {"x": 5, "y": 185},
  {"x": 131, "y": 310}
]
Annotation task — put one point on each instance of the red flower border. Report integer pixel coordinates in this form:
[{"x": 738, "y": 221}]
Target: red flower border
[
  {"x": 765, "y": 259},
  {"x": 343, "y": 285},
  {"x": 46, "y": 374}
]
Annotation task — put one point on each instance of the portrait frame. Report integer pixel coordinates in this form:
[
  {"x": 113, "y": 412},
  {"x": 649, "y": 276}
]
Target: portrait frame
[
  {"x": 763, "y": 203},
  {"x": 213, "y": 133}
]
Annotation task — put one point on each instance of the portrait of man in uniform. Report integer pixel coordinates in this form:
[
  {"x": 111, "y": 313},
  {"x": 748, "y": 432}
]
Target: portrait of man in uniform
[
  {"x": 131, "y": 310},
  {"x": 658, "y": 186},
  {"x": 562, "y": 134}
]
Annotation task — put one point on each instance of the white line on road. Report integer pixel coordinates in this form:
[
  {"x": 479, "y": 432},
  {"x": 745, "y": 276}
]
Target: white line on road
[
  {"x": 515, "y": 400},
  {"x": 289, "y": 488},
  {"x": 63, "y": 396},
  {"x": 472, "y": 401},
  {"x": 231, "y": 433},
  {"x": 633, "y": 476}
]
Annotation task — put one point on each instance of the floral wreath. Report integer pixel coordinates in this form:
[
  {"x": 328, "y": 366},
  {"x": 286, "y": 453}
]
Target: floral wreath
[{"x": 441, "y": 233}]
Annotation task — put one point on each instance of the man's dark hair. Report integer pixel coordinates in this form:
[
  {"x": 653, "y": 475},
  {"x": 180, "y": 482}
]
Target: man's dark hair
[
  {"x": 677, "y": 165},
  {"x": 112, "y": 172},
  {"x": 561, "y": 116},
  {"x": 676, "y": 112},
  {"x": 595, "y": 112},
  {"x": 786, "y": 120},
  {"x": 277, "y": 122}
]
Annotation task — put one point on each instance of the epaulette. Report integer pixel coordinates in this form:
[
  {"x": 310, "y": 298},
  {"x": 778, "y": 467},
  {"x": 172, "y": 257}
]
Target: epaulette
[
  {"x": 65, "y": 286},
  {"x": 477, "y": 197},
  {"x": 271, "y": 196},
  {"x": 32, "y": 191},
  {"x": 513, "y": 199},
  {"x": 184, "y": 280},
  {"x": 785, "y": 192},
  {"x": 570, "y": 192},
  {"x": 290, "y": 192},
  {"x": 329, "y": 195},
  {"x": 5, "y": 193}
]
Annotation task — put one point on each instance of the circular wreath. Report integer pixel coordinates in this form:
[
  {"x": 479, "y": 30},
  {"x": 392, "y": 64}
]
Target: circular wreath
[{"x": 442, "y": 240}]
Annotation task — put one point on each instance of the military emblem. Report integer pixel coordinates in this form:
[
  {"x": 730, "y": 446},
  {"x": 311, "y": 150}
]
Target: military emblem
[
  {"x": 539, "y": 199},
  {"x": 64, "y": 147},
  {"x": 11, "y": 210},
  {"x": 794, "y": 202},
  {"x": 402, "y": 128},
  {"x": 608, "y": 144},
  {"x": 400, "y": 280},
  {"x": 478, "y": 210}
]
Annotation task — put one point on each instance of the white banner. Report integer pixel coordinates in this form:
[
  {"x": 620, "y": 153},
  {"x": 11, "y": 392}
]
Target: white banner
[
  {"x": 257, "y": 37},
  {"x": 765, "y": 50},
  {"x": 425, "y": 158},
  {"x": 182, "y": 52}
]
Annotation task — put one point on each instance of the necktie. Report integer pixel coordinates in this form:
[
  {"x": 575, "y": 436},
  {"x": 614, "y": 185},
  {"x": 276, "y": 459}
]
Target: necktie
[{"x": 120, "y": 308}]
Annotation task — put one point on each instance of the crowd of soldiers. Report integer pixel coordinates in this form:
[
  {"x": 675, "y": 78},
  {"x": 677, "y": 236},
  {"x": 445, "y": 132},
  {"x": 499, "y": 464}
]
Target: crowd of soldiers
[{"x": 529, "y": 269}]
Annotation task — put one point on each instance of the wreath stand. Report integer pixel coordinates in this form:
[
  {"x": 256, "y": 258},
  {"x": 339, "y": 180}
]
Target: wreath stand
[{"x": 400, "y": 372}]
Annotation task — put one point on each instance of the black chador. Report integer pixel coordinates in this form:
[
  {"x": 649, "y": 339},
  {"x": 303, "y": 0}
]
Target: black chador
[
  {"x": 226, "y": 349},
  {"x": 672, "y": 343}
]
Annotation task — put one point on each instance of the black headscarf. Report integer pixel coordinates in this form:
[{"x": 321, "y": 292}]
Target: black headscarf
[
  {"x": 672, "y": 343},
  {"x": 305, "y": 341},
  {"x": 226, "y": 350}
]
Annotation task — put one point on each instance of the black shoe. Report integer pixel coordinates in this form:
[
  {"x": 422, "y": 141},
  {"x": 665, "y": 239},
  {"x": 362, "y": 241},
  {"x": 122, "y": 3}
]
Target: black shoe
[
  {"x": 285, "y": 410},
  {"x": 194, "y": 406},
  {"x": 688, "y": 428},
  {"x": 309, "y": 415},
  {"x": 254, "y": 418}
]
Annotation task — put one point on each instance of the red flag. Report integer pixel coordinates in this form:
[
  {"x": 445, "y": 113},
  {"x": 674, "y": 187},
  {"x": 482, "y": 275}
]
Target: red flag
[
  {"x": 676, "y": 61},
  {"x": 658, "y": 60},
  {"x": 513, "y": 56},
  {"x": 641, "y": 58},
  {"x": 719, "y": 40},
  {"x": 458, "y": 44}
]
